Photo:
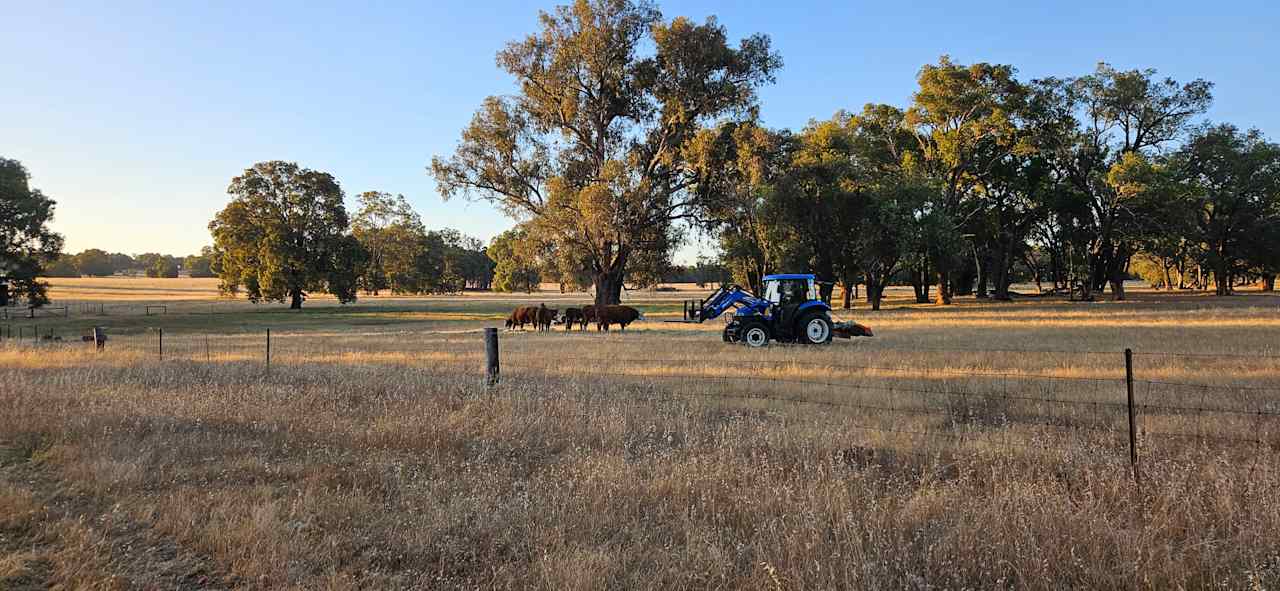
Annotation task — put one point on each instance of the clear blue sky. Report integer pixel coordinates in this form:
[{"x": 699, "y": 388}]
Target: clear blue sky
[{"x": 135, "y": 115}]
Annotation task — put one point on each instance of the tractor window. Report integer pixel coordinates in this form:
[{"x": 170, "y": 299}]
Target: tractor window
[
  {"x": 789, "y": 291},
  {"x": 771, "y": 292},
  {"x": 793, "y": 291}
]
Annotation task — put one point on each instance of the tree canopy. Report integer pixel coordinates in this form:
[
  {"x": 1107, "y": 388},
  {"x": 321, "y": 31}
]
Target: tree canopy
[
  {"x": 590, "y": 152},
  {"x": 284, "y": 234},
  {"x": 395, "y": 240},
  {"x": 94, "y": 262},
  {"x": 200, "y": 265},
  {"x": 514, "y": 269},
  {"x": 983, "y": 173},
  {"x": 27, "y": 245}
]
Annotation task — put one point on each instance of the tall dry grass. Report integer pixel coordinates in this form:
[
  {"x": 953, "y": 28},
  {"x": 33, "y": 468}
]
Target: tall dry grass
[{"x": 664, "y": 459}]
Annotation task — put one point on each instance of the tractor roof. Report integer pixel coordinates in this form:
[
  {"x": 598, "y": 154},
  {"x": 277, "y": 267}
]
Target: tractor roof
[{"x": 789, "y": 276}]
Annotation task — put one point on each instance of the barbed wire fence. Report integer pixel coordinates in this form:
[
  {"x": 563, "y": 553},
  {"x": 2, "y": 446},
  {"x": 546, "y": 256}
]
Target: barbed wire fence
[
  {"x": 76, "y": 308},
  {"x": 1114, "y": 418}
]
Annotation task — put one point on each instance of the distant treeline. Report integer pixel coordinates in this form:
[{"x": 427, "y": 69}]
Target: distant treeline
[
  {"x": 95, "y": 262},
  {"x": 398, "y": 255}
]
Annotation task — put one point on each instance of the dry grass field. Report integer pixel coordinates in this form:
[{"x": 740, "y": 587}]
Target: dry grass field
[{"x": 983, "y": 445}]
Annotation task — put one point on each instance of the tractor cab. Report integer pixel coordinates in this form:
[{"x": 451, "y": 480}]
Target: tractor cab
[
  {"x": 785, "y": 290},
  {"x": 787, "y": 295}
]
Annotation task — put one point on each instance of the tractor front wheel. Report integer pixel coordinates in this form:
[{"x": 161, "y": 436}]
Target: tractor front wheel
[
  {"x": 754, "y": 334},
  {"x": 815, "y": 329}
]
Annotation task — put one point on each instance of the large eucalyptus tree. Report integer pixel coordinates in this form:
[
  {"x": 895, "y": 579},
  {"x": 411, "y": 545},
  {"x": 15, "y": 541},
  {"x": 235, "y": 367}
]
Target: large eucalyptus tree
[
  {"x": 589, "y": 152},
  {"x": 285, "y": 233}
]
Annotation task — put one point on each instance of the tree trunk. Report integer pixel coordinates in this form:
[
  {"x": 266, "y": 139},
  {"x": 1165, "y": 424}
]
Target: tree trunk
[
  {"x": 1098, "y": 270},
  {"x": 944, "y": 288},
  {"x": 1117, "y": 283},
  {"x": 1086, "y": 286},
  {"x": 825, "y": 290},
  {"x": 1221, "y": 277},
  {"x": 609, "y": 275},
  {"x": 295, "y": 299},
  {"x": 962, "y": 281},
  {"x": 1003, "y": 261},
  {"x": 1117, "y": 289},
  {"x": 1055, "y": 269},
  {"x": 755, "y": 277},
  {"x": 875, "y": 289},
  {"x": 984, "y": 274},
  {"x": 920, "y": 284},
  {"x": 1269, "y": 282},
  {"x": 615, "y": 297},
  {"x": 846, "y": 294},
  {"x": 608, "y": 285},
  {"x": 826, "y": 277},
  {"x": 1119, "y": 270}
]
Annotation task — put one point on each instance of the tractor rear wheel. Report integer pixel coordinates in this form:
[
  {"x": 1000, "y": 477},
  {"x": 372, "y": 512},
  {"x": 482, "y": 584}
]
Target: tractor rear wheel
[
  {"x": 754, "y": 334},
  {"x": 815, "y": 329}
]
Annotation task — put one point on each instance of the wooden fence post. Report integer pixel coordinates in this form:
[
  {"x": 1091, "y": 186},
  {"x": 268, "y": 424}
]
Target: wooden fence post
[
  {"x": 1133, "y": 423},
  {"x": 268, "y": 350},
  {"x": 161, "y": 345},
  {"x": 491, "y": 374}
]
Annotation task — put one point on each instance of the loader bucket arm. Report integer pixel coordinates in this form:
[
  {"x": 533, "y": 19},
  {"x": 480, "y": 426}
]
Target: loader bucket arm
[{"x": 726, "y": 297}]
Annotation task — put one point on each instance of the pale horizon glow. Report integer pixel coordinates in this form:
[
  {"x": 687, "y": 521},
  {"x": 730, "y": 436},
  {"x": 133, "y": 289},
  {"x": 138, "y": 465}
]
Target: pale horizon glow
[{"x": 134, "y": 116}]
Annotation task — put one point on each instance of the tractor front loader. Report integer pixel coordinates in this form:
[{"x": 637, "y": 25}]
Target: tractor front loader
[{"x": 789, "y": 312}]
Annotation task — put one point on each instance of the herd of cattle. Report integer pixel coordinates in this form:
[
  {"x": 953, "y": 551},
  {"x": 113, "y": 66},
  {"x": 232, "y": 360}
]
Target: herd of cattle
[{"x": 542, "y": 317}]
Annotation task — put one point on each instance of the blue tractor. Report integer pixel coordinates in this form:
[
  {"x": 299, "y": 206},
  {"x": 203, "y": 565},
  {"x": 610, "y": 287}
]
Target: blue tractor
[{"x": 789, "y": 312}]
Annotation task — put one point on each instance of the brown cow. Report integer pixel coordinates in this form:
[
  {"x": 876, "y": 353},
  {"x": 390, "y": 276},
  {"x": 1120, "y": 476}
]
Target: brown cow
[
  {"x": 571, "y": 317},
  {"x": 620, "y": 315},
  {"x": 545, "y": 317},
  {"x": 523, "y": 315},
  {"x": 588, "y": 315}
]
